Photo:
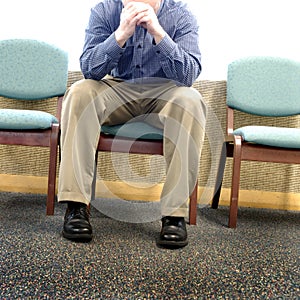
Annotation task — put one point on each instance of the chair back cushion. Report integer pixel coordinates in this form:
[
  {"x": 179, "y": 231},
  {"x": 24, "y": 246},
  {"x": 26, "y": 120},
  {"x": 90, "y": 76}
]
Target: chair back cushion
[
  {"x": 265, "y": 86},
  {"x": 32, "y": 69},
  {"x": 134, "y": 130}
]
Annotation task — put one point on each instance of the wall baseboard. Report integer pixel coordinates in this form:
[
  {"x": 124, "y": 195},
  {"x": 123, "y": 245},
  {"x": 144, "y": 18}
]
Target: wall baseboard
[{"x": 135, "y": 191}]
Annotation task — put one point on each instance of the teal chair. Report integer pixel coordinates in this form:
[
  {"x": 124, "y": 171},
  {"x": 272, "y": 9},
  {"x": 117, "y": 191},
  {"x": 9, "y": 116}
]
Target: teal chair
[
  {"x": 139, "y": 138},
  {"x": 260, "y": 86},
  {"x": 32, "y": 70}
]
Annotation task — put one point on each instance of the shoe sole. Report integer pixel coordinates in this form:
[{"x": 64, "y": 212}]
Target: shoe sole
[
  {"x": 172, "y": 244},
  {"x": 78, "y": 237}
]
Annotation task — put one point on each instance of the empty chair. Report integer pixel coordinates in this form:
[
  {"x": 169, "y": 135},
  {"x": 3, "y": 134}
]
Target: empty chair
[
  {"x": 260, "y": 86},
  {"x": 32, "y": 70}
]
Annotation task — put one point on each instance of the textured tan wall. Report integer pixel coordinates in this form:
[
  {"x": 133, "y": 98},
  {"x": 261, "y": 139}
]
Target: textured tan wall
[{"x": 21, "y": 160}]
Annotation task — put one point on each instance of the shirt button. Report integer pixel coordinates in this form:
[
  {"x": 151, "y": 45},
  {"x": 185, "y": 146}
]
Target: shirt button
[{"x": 157, "y": 51}]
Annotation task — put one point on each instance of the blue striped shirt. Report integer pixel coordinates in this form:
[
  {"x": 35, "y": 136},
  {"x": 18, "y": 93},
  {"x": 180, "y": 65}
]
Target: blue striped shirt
[{"x": 176, "y": 57}]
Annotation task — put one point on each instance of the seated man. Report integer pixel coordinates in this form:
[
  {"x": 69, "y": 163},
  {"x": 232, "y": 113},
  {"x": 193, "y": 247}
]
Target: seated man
[{"x": 140, "y": 58}]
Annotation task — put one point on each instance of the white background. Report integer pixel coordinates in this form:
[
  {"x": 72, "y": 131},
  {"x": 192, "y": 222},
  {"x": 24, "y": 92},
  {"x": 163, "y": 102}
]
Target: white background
[{"x": 228, "y": 29}]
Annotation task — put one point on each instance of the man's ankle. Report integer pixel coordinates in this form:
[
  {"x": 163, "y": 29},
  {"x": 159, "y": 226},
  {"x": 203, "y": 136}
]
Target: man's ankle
[{"x": 75, "y": 204}]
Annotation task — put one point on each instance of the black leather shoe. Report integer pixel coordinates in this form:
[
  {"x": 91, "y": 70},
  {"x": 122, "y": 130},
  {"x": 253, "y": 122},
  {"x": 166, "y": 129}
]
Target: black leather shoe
[
  {"x": 173, "y": 233},
  {"x": 77, "y": 226}
]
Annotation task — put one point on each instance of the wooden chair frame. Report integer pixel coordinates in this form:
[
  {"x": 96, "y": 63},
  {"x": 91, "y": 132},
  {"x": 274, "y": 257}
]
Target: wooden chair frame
[
  {"x": 40, "y": 138},
  {"x": 240, "y": 150}
]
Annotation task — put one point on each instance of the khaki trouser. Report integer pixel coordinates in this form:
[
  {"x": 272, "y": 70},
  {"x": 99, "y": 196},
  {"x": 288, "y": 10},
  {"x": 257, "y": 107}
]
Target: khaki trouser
[{"x": 178, "y": 110}]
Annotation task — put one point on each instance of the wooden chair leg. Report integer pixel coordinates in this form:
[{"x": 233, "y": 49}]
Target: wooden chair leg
[
  {"x": 236, "y": 170},
  {"x": 52, "y": 169},
  {"x": 94, "y": 182},
  {"x": 193, "y": 206},
  {"x": 219, "y": 179}
]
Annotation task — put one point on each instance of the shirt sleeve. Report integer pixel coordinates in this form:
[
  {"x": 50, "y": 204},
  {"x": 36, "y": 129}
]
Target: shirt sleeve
[
  {"x": 179, "y": 55},
  {"x": 101, "y": 51}
]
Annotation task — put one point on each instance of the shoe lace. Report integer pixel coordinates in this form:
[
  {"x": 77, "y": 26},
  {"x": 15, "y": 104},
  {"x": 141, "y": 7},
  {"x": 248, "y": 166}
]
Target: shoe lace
[{"x": 79, "y": 212}]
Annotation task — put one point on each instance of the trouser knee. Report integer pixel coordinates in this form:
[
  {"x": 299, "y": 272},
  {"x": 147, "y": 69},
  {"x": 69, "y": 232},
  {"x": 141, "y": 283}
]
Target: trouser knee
[
  {"x": 82, "y": 94},
  {"x": 185, "y": 101}
]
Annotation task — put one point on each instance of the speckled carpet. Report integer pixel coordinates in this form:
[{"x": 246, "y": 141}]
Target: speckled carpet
[{"x": 258, "y": 260}]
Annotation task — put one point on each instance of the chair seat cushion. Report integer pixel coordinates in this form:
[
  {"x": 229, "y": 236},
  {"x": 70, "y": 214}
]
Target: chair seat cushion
[
  {"x": 134, "y": 130},
  {"x": 270, "y": 136},
  {"x": 20, "y": 119}
]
